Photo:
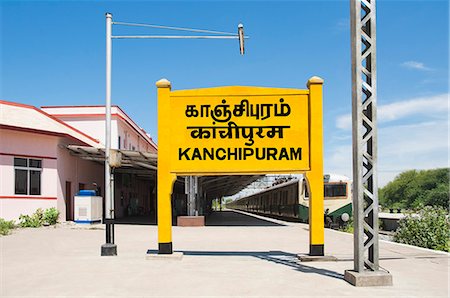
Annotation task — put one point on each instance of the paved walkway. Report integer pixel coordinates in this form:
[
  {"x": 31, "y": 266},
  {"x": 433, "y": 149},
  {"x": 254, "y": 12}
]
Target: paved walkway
[{"x": 220, "y": 260}]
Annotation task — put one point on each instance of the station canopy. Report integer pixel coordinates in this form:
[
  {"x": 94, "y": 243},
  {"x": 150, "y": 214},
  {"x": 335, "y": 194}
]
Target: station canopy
[{"x": 145, "y": 164}]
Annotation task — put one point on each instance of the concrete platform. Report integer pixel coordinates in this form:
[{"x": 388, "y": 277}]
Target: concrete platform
[{"x": 227, "y": 261}]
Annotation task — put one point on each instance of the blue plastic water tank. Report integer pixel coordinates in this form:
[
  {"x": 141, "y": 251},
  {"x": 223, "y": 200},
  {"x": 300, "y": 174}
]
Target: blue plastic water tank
[{"x": 86, "y": 193}]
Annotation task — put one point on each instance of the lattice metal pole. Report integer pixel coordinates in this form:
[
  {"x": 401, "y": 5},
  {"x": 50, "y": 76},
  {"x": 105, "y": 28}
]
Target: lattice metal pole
[{"x": 364, "y": 130}]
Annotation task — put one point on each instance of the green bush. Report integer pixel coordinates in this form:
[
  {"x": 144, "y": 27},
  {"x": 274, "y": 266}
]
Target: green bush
[
  {"x": 6, "y": 226},
  {"x": 348, "y": 226},
  {"x": 39, "y": 218},
  {"x": 51, "y": 216},
  {"x": 429, "y": 229},
  {"x": 35, "y": 220}
]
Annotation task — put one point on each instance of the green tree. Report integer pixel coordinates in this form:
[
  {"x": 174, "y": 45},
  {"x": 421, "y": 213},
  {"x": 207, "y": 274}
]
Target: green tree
[{"x": 413, "y": 189}]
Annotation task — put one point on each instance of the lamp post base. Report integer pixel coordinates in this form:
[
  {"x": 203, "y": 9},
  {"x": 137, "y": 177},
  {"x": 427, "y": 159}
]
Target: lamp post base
[
  {"x": 368, "y": 278},
  {"x": 109, "y": 249}
]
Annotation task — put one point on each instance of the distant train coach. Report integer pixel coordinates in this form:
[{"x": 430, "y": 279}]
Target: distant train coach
[{"x": 291, "y": 200}]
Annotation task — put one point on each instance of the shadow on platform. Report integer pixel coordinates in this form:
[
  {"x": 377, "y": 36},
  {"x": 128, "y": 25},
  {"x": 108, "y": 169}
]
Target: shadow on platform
[
  {"x": 277, "y": 257},
  {"x": 232, "y": 218},
  {"x": 216, "y": 218}
]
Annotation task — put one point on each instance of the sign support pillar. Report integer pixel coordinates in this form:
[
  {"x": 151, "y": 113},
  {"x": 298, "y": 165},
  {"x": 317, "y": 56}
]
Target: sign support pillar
[
  {"x": 315, "y": 176},
  {"x": 165, "y": 180}
]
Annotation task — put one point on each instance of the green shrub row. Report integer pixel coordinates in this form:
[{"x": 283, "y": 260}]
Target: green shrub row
[
  {"x": 35, "y": 220},
  {"x": 430, "y": 228},
  {"x": 39, "y": 218}
]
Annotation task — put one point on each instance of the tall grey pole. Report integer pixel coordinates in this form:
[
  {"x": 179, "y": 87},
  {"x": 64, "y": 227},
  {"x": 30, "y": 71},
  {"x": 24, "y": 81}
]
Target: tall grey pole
[
  {"x": 108, "y": 116},
  {"x": 364, "y": 135},
  {"x": 109, "y": 248},
  {"x": 364, "y": 112}
]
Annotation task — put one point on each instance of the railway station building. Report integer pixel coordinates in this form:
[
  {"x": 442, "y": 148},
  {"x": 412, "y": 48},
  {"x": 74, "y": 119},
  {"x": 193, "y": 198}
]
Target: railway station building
[{"x": 48, "y": 154}]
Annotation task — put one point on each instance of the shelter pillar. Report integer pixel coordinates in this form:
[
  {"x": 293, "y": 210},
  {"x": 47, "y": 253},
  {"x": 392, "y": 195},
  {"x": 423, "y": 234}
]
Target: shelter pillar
[{"x": 191, "y": 189}]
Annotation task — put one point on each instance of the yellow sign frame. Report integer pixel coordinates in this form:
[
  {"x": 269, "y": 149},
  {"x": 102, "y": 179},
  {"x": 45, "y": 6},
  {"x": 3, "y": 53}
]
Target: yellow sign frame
[{"x": 187, "y": 117}]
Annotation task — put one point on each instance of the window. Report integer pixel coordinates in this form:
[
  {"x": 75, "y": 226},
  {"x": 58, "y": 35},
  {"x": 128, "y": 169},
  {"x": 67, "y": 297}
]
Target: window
[
  {"x": 335, "y": 190},
  {"x": 119, "y": 143},
  {"x": 306, "y": 190},
  {"x": 27, "y": 176}
]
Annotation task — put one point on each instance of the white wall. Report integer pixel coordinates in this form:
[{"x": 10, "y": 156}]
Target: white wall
[
  {"x": 76, "y": 170},
  {"x": 91, "y": 120},
  {"x": 58, "y": 166},
  {"x": 30, "y": 145},
  {"x": 93, "y": 127}
]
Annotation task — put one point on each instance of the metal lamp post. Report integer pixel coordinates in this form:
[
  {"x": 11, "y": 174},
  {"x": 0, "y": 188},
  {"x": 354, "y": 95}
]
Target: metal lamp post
[{"x": 110, "y": 248}]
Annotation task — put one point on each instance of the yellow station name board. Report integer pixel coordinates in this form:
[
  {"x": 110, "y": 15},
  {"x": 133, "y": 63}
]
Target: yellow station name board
[{"x": 239, "y": 130}]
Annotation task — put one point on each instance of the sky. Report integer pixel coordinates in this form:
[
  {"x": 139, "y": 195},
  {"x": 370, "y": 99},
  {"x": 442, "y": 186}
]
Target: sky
[{"x": 53, "y": 53}]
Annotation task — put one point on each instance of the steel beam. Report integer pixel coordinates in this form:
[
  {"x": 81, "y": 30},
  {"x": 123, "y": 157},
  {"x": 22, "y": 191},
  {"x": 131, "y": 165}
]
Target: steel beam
[
  {"x": 364, "y": 132},
  {"x": 366, "y": 271}
]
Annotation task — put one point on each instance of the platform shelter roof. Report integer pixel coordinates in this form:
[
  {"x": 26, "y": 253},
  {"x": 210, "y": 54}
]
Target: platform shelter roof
[{"x": 145, "y": 164}]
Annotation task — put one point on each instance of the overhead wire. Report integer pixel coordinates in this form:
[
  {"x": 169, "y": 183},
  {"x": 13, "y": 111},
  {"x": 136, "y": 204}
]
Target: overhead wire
[{"x": 172, "y": 28}]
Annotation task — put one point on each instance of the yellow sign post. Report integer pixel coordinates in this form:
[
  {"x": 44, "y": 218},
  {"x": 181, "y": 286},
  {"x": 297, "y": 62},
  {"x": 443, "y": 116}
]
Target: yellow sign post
[{"x": 236, "y": 131}]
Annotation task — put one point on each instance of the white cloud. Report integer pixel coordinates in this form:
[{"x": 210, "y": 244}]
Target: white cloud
[
  {"x": 344, "y": 121},
  {"x": 339, "y": 160},
  {"x": 402, "y": 147},
  {"x": 422, "y": 105},
  {"x": 433, "y": 105},
  {"x": 416, "y": 65},
  {"x": 421, "y": 138},
  {"x": 417, "y": 146},
  {"x": 343, "y": 24}
]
